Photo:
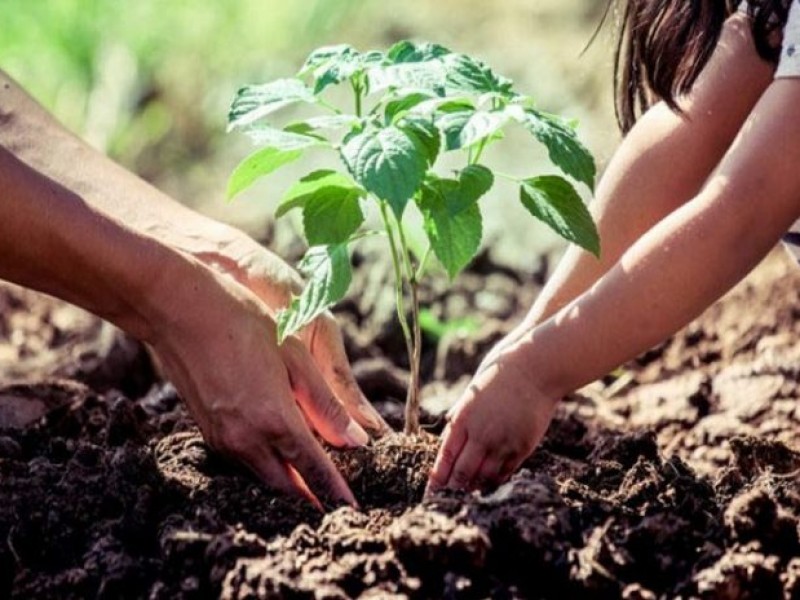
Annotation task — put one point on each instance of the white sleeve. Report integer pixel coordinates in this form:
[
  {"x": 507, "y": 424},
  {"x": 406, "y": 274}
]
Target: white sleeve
[{"x": 789, "y": 65}]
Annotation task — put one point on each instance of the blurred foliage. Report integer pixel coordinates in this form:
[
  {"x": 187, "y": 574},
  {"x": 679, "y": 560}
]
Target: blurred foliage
[
  {"x": 150, "y": 81},
  {"x": 125, "y": 74}
]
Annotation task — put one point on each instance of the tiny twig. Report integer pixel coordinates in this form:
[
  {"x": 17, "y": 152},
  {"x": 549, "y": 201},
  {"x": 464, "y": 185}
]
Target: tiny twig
[{"x": 10, "y": 545}]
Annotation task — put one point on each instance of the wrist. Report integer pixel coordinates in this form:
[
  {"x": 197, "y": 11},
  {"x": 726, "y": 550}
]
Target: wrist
[
  {"x": 145, "y": 275},
  {"x": 231, "y": 252},
  {"x": 542, "y": 375}
]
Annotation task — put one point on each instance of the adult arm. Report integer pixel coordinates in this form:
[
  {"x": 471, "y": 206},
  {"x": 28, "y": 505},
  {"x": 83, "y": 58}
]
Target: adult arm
[{"x": 76, "y": 225}]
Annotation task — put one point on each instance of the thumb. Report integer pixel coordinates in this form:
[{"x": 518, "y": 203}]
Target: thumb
[
  {"x": 319, "y": 404},
  {"x": 327, "y": 348}
]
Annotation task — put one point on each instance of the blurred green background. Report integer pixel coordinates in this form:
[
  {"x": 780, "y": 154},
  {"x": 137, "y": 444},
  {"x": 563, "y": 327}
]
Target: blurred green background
[{"x": 150, "y": 81}]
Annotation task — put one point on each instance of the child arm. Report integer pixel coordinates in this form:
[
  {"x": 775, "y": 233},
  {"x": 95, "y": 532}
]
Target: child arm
[
  {"x": 672, "y": 273},
  {"x": 662, "y": 163}
]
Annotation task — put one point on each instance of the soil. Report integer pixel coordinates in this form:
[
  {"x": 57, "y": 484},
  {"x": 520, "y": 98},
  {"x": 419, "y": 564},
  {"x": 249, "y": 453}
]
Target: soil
[{"x": 677, "y": 477}]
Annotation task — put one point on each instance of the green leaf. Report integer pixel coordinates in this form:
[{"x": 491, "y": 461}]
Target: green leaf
[
  {"x": 324, "y": 56},
  {"x": 455, "y": 239},
  {"x": 466, "y": 74},
  {"x": 333, "y": 64},
  {"x": 337, "y": 71},
  {"x": 387, "y": 162},
  {"x": 282, "y": 140},
  {"x": 256, "y": 101},
  {"x": 466, "y": 128},
  {"x": 452, "y": 218},
  {"x": 475, "y": 182},
  {"x": 410, "y": 65},
  {"x": 397, "y": 108},
  {"x": 427, "y": 76},
  {"x": 409, "y": 52},
  {"x": 329, "y": 274},
  {"x": 313, "y": 183},
  {"x": 326, "y": 122},
  {"x": 444, "y": 105},
  {"x": 425, "y": 133},
  {"x": 260, "y": 163},
  {"x": 553, "y": 199},
  {"x": 330, "y": 203},
  {"x": 332, "y": 215},
  {"x": 563, "y": 146}
]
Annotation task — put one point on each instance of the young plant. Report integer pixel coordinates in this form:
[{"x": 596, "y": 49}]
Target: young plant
[{"x": 410, "y": 105}]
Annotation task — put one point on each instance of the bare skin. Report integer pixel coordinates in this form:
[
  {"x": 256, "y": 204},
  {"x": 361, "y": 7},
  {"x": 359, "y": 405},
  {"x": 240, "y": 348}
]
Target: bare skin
[
  {"x": 203, "y": 295},
  {"x": 688, "y": 206}
]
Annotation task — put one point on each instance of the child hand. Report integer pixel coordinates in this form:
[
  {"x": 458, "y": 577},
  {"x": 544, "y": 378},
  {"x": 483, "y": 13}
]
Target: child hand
[{"x": 495, "y": 425}]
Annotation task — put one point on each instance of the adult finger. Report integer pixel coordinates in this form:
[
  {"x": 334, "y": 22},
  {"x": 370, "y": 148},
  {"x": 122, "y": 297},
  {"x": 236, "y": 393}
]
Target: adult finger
[
  {"x": 453, "y": 440},
  {"x": 327, "y": 348},
  {"x": 318, "y": 402},
  {"x": 277, "y": 474},
  {"x": 462, "y": 475},
  {"x": 305, "y": 454}
]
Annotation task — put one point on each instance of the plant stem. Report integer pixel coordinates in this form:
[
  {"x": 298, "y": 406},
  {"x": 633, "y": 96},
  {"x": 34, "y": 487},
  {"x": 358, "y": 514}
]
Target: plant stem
[
  {"x": 507, "y": 176},
  {"x": 474, "y": 159},
  {"x": 357, "y": 92},
  {"x": 412, "y": 424},
  {"x": 329, "y": 106},
  {"x": 413, "y": 400},
  {"x": 423, "y": 263}
]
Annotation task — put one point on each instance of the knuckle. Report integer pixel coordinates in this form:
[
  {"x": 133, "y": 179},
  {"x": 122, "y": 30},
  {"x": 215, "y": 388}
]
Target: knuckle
[
  {"x": 274, "y": 430},
  {"x": 233, "y": 440},
  {"x": 293, "y": 448}
]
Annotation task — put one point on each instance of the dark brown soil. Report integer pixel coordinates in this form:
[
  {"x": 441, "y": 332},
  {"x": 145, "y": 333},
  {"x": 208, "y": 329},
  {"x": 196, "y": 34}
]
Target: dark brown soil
[{"x": 679, "y": 477}]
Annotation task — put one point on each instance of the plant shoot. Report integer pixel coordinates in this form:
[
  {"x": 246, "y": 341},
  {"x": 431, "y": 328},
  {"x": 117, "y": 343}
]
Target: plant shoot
[{"x": 410, "y": 105}]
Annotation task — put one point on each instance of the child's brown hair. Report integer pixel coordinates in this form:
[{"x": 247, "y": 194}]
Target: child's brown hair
[{"x": 664, "y": 45}]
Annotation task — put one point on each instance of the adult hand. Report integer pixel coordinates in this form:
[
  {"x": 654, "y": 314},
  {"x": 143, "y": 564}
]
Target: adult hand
[
  {"x": 274, "y": 282},
  {"x": 253, "y": 399},
  {"x": 201, "y": 294}
]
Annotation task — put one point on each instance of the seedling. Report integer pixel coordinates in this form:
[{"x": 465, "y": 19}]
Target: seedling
[{"x": 411, "y": 104}]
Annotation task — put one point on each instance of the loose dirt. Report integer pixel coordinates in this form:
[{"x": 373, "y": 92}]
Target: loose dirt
[{"x": 677, "y": 477}]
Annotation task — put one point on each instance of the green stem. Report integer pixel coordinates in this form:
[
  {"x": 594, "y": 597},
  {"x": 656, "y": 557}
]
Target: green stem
[
  {"x": 423, "y": 263},
  {"x": 507, "y": 176},
  {"x": 477, "y": 157},
  {"x": 398, "y": 263},
  {"x": 328, "y": 105},
  {"x": 357, "y": 92},
  {"x": 413, "y": 399}
]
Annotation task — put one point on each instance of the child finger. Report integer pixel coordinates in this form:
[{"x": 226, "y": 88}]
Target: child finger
[
  {"x": 462, "y": 476},
  {"x": 453, "y": 440},
  {"x": 489, "y": 473}
]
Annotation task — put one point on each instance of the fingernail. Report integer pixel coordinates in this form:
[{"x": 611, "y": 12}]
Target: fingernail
[{"x": 355, "y": 434}]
